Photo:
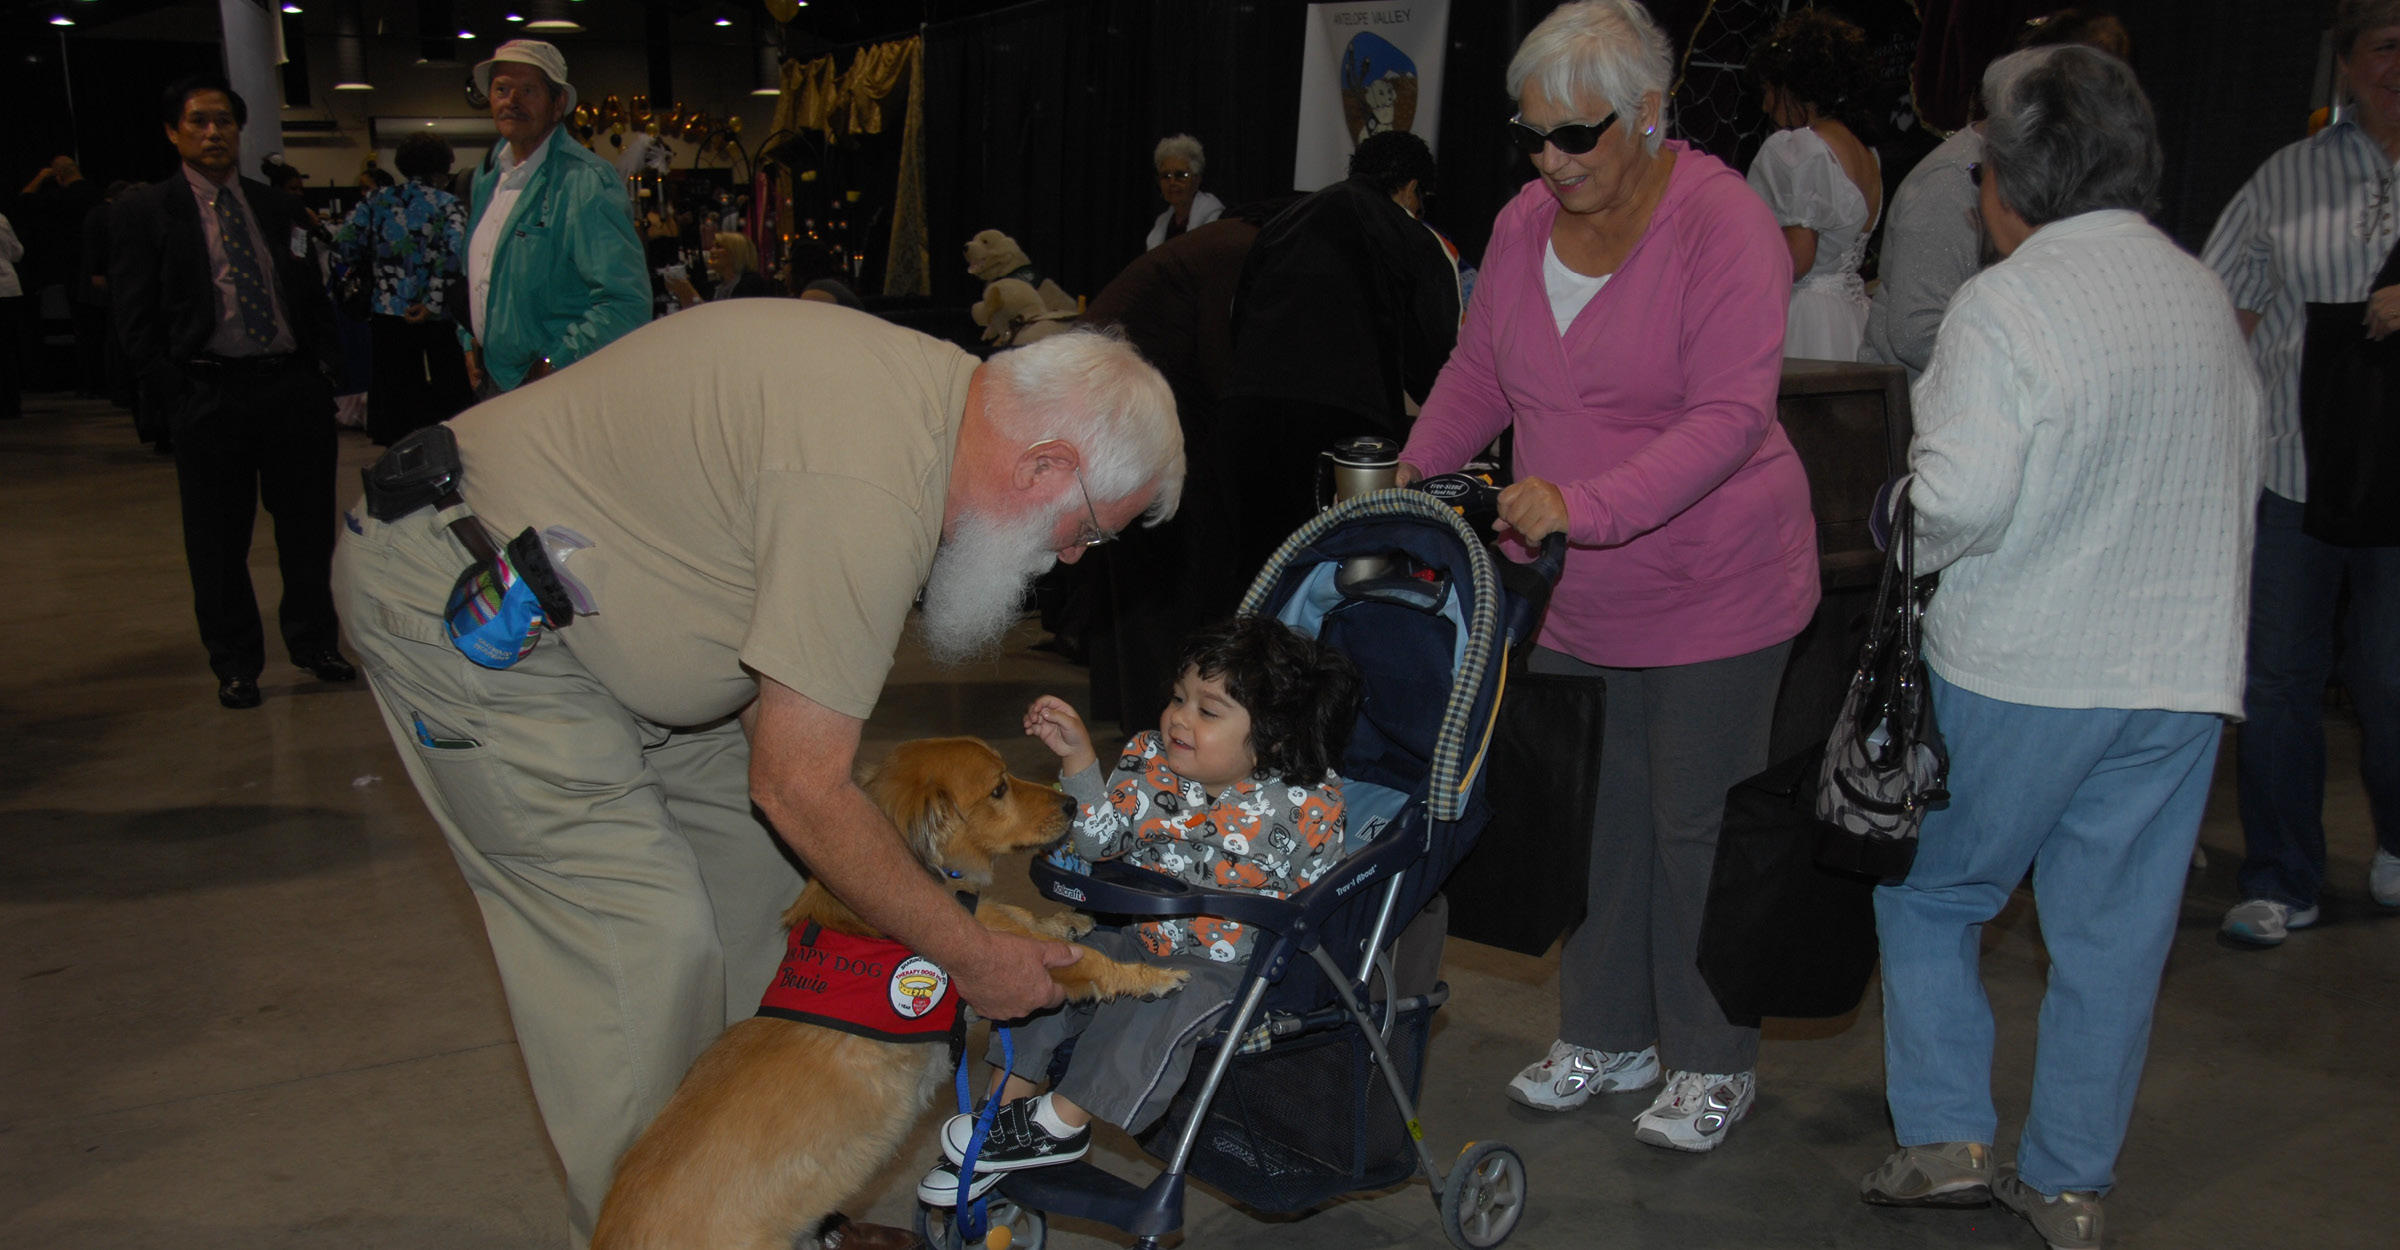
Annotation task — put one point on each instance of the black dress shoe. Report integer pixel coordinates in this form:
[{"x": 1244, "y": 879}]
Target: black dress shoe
[
  {"x": 239, "y": 692},
  {"x": 328, "y": 667}
]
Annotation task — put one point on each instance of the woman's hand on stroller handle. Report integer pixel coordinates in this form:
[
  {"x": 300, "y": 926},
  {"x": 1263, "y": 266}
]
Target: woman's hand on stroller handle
[{"x": 1534, "y": 509}]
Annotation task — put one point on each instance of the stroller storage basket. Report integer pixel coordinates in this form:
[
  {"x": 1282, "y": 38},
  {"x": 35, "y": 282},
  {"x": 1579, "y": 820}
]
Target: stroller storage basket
[{"x": 1306, "y": 1120}]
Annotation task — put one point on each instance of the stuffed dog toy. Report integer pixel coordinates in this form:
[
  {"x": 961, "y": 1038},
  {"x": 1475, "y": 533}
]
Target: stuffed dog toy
[
  {"x": 1019, "y": 305},
  {"x": 792, "y": 1111}
]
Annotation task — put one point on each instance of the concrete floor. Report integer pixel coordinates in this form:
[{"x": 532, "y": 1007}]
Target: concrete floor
[{"x": 245, "y": 1001}]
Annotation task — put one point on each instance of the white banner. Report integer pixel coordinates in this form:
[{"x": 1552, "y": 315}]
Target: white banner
[{"x": 1367, "y": 68}]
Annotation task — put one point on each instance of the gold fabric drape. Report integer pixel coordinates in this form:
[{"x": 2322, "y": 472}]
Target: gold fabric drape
[{"x": 815, "y": 97}]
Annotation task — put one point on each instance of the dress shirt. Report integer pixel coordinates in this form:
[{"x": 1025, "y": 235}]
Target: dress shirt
[
  {"x": 514, "y": 176},
  {"x": 2312, "y": 226},
  {"x": 228, "y": 339}
]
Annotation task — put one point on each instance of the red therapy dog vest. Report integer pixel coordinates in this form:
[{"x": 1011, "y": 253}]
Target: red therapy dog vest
[{"x": 872, "y": 987}]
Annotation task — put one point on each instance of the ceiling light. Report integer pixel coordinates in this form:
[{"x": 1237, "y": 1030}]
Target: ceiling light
[
  {"x": 291, "y": 8},
  {"x": 723, "y": 21},
  {"x": 512, "y": 17},
  {"x": 550, "y": 15},
  {"x": 466, "y": 34},
  {"x": 62, "y": 20}
]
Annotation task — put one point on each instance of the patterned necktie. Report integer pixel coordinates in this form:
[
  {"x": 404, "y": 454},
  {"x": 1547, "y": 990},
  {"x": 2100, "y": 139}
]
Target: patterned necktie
[{"x": 257, "y": 307}]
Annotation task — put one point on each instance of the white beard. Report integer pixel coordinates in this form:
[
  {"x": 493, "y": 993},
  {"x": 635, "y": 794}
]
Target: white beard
[{"x": 978, "y": 585}]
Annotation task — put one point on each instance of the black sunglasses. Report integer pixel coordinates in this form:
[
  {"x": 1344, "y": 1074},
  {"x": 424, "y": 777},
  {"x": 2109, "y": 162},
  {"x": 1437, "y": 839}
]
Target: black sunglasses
[{"x": 1573, "y": 138}]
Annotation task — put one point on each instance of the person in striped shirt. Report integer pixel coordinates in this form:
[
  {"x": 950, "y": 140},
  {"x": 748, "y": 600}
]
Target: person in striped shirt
[{"x": 2315, "y": 225}]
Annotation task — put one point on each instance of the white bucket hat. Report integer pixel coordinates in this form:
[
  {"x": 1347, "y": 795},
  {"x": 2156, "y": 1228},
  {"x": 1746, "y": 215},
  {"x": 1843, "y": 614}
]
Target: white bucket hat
[{"x": 531, "y": 52}]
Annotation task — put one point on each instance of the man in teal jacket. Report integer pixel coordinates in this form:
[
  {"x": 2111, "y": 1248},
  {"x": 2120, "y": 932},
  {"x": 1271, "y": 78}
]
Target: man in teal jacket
[{"x": 554, "y": 269}]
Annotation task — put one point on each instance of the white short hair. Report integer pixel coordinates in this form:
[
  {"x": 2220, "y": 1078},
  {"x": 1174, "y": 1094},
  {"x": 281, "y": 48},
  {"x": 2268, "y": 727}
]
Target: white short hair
[
  {"x": 1603, "y": 49},
  {"x": 1091, "y": 388},
  {"x": 2001, "y": 76},
  {"x": 1184, "y": 146}
]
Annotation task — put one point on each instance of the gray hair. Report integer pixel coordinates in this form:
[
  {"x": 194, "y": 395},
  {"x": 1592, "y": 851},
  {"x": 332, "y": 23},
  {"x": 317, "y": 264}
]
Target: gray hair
[
  {"x": 1091, "y": 388},
  {"x": 2354, "y": 18},
  {"x": 1184, "y": 146},
  {"x": 1604, "y": 49},
  {"x": 2000, "y": 78},
  {"x": 2074, "y": 136}
]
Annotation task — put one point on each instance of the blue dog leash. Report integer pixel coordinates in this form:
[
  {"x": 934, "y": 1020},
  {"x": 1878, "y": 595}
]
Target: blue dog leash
[{"x": 972, "y": 1218}]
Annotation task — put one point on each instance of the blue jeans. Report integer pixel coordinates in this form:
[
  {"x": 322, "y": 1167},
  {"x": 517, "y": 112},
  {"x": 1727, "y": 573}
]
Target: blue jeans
[
  {"x": 2295, "y": 587},
  {"x": 2104, "y": 805}
]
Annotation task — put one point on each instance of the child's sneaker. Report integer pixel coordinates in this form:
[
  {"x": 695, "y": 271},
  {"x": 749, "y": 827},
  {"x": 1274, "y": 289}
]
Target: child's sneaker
[
  {"x": 1572, "y": 1074},
  {"x": 1016, "y": 1141},
  {"x": 939, "y": 1188},
  {"x": 1696, "y": 1109}
]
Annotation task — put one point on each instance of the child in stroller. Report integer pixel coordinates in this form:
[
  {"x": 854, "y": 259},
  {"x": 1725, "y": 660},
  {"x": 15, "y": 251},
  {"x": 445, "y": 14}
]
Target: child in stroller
[{"x": 1234, "y": 791}]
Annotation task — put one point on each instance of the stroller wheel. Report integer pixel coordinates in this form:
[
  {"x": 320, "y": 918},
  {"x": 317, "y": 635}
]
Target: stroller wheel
[
  {"x": 1024, "y": 1228},
  {"x": 1485, "y": 1196}
]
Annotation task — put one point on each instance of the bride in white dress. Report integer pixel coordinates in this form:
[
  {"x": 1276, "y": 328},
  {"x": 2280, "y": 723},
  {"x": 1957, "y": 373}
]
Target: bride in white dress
[{"x": 1824, "y": 185}]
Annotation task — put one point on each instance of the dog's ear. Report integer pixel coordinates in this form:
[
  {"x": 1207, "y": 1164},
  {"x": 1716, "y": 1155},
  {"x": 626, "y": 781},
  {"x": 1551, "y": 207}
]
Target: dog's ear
[{"x": 913, "y": 796}]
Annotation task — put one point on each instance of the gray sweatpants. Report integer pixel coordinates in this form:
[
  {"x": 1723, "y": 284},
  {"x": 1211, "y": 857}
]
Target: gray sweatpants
[
  {"x": 1133, "y": 1055},
  {"x": 1676, "y": 738}
]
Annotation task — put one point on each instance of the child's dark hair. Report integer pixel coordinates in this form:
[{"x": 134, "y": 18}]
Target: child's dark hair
[{"x": 1302, "y": 695}]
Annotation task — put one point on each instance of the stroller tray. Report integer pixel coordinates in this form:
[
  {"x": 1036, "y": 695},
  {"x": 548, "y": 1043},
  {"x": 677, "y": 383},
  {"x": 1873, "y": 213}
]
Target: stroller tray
[{"x": 1304, "y": 1121}]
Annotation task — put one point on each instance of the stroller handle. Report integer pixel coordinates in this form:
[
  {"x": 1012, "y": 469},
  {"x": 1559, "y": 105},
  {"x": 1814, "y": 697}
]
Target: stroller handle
[{"x": 1476, "y": 499}]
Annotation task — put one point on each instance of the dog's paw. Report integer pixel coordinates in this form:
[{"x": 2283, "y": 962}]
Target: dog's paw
[
  {"x": 1070, "y": 925},
  {"x": 1160, "y": 982}
]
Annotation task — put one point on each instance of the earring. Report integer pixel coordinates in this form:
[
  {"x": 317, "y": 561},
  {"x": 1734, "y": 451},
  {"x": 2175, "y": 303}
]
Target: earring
[{"x": 1649, "y": 130}]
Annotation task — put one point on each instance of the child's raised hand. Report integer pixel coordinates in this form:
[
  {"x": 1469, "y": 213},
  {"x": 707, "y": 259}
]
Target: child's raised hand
[{"x": 1060, "y": 729}]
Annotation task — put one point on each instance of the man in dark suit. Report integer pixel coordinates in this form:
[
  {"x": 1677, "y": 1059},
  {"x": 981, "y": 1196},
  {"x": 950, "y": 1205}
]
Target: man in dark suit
[{"x": 231, "y": 334}]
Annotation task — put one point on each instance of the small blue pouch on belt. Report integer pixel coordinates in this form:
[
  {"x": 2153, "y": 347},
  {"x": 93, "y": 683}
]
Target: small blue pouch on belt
[{"x": 498, "y": 609}]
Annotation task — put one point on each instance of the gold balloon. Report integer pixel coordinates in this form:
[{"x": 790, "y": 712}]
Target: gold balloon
[
  {"x": 734, "y": 123},
  {"x": 651, "y": 129},
  {"x": 612, "y": 113},
  {"x": 583, "y": 116}
]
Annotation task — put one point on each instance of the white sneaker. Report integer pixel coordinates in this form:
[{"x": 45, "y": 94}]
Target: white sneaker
[
  {"x": 2265, "y": 922},
  {"x": 2383, "y": 878},
  {"x": 1695, "y": 1110},
  {"x": 1572, "y": 1074}
]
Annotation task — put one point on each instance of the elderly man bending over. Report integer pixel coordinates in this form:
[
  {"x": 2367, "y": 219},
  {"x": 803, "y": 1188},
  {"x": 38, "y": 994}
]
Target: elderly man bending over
[{"x": 765, "y": 485}]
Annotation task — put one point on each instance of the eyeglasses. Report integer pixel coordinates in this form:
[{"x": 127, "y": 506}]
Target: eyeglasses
[
  {"x": 1975, "y": 172},
  {"x": 1091, "y": 533},
  {"x": 1572, "y": 138},
  {"x": 1174, "y": 175}
]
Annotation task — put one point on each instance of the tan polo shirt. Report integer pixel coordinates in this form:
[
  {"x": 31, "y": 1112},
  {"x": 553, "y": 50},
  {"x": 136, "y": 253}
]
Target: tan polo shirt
[{"x": 763, "y": 481}]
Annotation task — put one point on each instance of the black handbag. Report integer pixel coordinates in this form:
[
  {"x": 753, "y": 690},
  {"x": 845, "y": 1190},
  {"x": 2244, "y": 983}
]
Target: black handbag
[
  {"x": 2350, "y": 424},
  {"x": 1524, "y": 883},
  {"x": 1783, "y": 935},
  {"x": 1884, "y": 763}
]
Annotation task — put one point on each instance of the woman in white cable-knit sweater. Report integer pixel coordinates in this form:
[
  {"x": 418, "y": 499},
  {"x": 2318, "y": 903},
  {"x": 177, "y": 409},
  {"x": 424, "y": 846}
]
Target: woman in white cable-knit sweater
[{"x": 2085, "y": 463}]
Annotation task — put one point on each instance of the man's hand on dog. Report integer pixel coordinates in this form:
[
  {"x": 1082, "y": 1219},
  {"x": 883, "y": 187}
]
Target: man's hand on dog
[
  {"x": 1061, "y": 729},
  {"x": 1000, "y": 983}
]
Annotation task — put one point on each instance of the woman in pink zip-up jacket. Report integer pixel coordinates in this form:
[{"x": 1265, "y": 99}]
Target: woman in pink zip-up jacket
[{"x": 1628, "y": 324}]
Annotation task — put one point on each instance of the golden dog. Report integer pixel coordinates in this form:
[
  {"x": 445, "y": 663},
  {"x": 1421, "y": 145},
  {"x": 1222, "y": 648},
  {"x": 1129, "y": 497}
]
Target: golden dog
[{"x": 781, "y": 1121}]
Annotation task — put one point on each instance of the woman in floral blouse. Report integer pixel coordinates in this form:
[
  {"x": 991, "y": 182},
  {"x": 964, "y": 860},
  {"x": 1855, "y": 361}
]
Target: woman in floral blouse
[{"x": 415, "y": 235}]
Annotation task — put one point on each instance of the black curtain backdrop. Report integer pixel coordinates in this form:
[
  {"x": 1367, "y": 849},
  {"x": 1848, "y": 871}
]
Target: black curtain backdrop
[{"x": 1040, "y": 119}]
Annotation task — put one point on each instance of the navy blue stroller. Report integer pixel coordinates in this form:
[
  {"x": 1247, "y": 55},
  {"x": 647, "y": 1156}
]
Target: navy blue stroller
[{"x": 1307, "y": 1087}]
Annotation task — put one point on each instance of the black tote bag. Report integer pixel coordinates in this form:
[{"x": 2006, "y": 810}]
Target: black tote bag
[
  {"x": 1784, "y": 935},
  {"x": 2350, "y": 424},
  {"x": 1523, "y": 884}
]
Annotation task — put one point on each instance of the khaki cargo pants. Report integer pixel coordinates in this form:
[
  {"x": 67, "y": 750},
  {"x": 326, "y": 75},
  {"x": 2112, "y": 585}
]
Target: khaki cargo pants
[{"x": 632, "y": 900}]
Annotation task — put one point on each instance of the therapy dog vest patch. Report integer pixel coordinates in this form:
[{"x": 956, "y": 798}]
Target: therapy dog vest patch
[{"x": 872, "y": 987}]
